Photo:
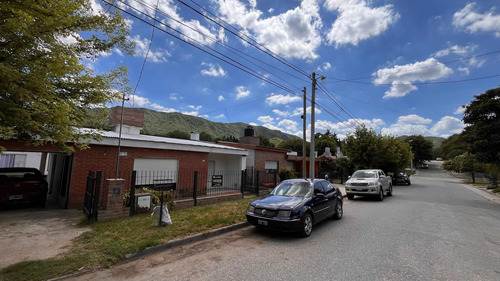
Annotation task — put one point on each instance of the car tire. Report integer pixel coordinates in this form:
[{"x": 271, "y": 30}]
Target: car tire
[
  {"x": 380, "y": 196},
  {"x": 339, "y": 212},
  {"x": 307, "y": 225},
  {"x": 389, "y": 193},
  {"x": 350, "y": 196}
]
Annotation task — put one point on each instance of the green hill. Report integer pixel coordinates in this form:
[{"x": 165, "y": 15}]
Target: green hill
[{"x": 161, "y": 123}]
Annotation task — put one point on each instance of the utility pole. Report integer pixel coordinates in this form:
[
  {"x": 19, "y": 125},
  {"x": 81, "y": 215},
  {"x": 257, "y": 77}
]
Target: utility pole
[
  {"x": 304, "y": 124},
  {"x": 311, "y": 151},
  {"x": 120, "y": 138}
]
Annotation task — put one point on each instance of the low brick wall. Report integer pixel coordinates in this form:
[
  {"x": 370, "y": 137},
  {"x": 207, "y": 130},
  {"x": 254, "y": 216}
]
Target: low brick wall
[{"x": 114, "y": 206}]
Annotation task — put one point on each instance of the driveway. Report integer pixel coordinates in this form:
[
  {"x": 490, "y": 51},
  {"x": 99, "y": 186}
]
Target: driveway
[{"x": 32, "y": 234}]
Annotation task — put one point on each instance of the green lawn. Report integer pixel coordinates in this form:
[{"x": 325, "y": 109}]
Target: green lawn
[{"x": 109, "y": 242}]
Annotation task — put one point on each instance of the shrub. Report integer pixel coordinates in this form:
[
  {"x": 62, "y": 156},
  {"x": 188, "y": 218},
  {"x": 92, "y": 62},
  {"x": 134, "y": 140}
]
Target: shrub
[{"x": 285, "y": 174}]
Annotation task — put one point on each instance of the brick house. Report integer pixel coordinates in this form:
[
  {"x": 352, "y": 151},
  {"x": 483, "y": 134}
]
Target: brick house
[{"x": 67, "y": 174}]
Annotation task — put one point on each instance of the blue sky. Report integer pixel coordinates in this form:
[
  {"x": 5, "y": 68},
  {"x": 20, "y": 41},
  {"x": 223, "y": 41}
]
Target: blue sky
[{"x": 400, "y": 67}]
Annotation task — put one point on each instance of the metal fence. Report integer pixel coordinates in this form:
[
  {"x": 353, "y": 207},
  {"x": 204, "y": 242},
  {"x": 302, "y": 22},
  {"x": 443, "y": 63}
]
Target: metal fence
[{"x": 189, "y": 184}]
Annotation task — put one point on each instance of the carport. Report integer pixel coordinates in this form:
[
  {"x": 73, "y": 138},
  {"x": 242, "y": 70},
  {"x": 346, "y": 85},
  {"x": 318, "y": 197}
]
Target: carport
[{"x": 53, "y": 163}]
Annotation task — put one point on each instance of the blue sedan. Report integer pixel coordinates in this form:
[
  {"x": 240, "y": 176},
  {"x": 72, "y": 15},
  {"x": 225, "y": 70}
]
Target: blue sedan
[{"x": 296, "y": 205}]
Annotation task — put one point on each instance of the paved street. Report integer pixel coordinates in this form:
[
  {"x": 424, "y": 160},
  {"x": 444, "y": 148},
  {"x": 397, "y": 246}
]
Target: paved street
[{"x": 435, "y": 229}]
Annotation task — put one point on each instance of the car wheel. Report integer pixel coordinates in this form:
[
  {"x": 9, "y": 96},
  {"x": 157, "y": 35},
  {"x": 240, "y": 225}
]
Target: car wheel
[
  {"x": 307, "y": 225},
  {"x": 339, "y": 212},
  {"x": 380, "y": 196},
  {"x": 409, "y": 182},
  {"x": 350, "y": 196},
  {"x": 390, "y": 190}
]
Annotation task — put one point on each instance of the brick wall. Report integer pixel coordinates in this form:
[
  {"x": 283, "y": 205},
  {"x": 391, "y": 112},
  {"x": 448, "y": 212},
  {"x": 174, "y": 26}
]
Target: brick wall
[
  {"x": 103, "y": 158},
  {"x": 131, "y": 116}
]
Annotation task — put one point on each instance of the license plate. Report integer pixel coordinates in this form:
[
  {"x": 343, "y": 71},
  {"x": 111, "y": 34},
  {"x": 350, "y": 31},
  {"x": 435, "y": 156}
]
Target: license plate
[
  {"x": 15, "y": 197},
  {"x": 262, "y": 222}
]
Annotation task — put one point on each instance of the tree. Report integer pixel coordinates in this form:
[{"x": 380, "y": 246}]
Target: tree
[
  {"x": 295, "y": 145},
  {"x": 46, "y": 90},
  {"x": 420, "y": 147},
  {"x": 206, "y": 137},
  {"x": 178, "y": 134},
  {"x": 325, "y": 140},
  {"x": 367, "y": 150},
  {"x": 482, "y": 123},
  {"x": 453, "y": 146},
  {"x": 464, "y": 163},
  {"x": 264, "y": 141}
]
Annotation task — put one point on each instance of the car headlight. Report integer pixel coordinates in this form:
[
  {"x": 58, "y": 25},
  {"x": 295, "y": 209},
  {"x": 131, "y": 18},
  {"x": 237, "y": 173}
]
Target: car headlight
[
  {"x": 284, "y": 214},
  {"x": 251, "y": 208}
]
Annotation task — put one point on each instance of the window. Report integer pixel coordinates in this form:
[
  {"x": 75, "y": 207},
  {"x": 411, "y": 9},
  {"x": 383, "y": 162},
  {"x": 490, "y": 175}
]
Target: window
[
  {"x": 318, "y": 188},
  {"x": 149, "y": 170},
  {"x": 326, "y": 187},
  {"x": 271, "y": 166}
]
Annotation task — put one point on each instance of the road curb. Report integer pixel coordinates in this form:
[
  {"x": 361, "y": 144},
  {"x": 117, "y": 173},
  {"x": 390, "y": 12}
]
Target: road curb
[{"x": 184, "y": 241}]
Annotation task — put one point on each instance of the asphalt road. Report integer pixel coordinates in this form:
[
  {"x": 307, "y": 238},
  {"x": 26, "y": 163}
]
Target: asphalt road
[{"x": 435, "y": 229}]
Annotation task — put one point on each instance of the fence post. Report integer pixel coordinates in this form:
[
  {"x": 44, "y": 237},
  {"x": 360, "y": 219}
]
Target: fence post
[
  {"x": 275, "y": 178},
  {"x": 195, "y": 188},
  {"x": 132, "y": 194},
  {"x": 95, "y": 203},
  {"x": 243, "y": 182},
  {"x": 257, "y": 185}
]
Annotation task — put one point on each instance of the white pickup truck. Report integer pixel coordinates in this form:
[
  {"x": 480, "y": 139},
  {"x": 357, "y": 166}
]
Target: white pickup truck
[{"x": 369, "y": 182}]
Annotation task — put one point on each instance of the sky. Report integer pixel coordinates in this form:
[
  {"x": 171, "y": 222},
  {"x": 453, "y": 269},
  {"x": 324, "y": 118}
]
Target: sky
[{"x": 398, "y": 67}]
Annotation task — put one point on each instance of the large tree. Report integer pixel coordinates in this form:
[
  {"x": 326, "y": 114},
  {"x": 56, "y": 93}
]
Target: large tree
[
  {"x": 453, "y": 146},
  {"x": 46, "y": 89},
  {"x": 367, "y": 150},
  {"x": 420, "y": 147},
  {"x": 482, "y": 126}
]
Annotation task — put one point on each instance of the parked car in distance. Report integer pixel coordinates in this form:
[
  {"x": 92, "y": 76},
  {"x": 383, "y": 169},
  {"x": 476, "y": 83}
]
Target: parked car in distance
[
  {"x": 401, "y": 177},
  {"x": 296, "y": 205},
  {"x": 18, "y": 185},
  {"x": 425, "y": 166},
  {"x": 369, "y": 182}
]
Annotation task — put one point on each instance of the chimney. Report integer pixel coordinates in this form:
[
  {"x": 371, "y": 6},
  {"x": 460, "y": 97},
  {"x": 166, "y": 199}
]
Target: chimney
[
  {"x": 133, "y": 120},
  {"x": 195, "y": 136},
  {"x": 248, "y": 137}
]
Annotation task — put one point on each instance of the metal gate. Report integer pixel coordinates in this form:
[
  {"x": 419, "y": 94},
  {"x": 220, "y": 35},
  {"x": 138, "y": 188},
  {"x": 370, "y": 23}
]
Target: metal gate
[{"x": 91, "y": 204}]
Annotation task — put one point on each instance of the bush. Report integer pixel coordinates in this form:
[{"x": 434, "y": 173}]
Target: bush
[
  {"x": 168, "y": 197},
  {"x": 285, "y": 174}
]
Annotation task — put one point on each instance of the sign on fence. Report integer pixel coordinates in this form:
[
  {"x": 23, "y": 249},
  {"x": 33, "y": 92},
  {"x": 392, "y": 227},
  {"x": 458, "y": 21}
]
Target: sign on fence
[{"x": 217, "y": 181}]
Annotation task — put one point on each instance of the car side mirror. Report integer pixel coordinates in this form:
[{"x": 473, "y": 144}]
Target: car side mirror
[
  {"x": 348, "y": 177},
  {"x": 319, "y": 195}
]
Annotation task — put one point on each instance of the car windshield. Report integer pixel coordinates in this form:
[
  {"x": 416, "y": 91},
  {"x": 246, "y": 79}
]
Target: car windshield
[
  {"x": 292, "y": 189},
  {"x": 365, "y": 175}
]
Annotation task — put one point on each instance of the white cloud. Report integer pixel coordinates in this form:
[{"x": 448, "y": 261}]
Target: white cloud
[
  {"x": 281, "y": 113},
  {"x": 299, "y": 111},
  {"x": 413, "y": 119},
  {"x": 416, "y": 125},
  {"x": 401, "y": 76},
  {"x": 141, "y": 49},
  {"x": 473, "y": 21},
  {"x": 456, "y": 49},
  {"x": 220, "y": 116},
  {"x": 324, "y": 66},
  {"x": 175, "y": 96},
  {"x": 192, "y": 113},
  {"x": 282, "y": 99},
  {"x": 289, "y": 125},
  {"x": 241, "y": 92},
  {"x": 214, "y": 70},
  {"x": 448, "y": 125},
  {"x": 265, "y": 119},
  {"x": 292, "y": 34},
  {"x": 357, "y": 21},
  {"x": 139, "y": 101},
  {"x": 272, "y": 127},
  {"x": 253, "y": 124},
  {"x": 221, "y": 98},
  {"x": 460, "y": 110},
  {"x": 464, "y": 70},
  {"x": 198, "y": 107}
]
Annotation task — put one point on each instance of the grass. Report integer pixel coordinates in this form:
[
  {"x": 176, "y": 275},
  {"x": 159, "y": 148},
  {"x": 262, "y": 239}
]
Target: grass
[
  {"x": 480, "y": 182},
  {"x": 109, "y": 242}
]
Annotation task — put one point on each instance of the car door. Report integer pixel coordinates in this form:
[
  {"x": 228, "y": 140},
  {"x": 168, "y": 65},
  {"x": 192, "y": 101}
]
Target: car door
[
  {"x": 384, "y": 180},
  {"x": 320, "y": 205},
  {"x": 330, "y": 193}
]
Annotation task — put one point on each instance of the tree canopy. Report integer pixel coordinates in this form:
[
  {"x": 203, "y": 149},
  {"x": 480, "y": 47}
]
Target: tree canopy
[
  {"x": 420, "y": 147},
  {"x": 482, "y": 126},
  {"x": 46, "y": 89},
  {"x": 367, "y": 150},
  {"x": 453, "y": 146}
]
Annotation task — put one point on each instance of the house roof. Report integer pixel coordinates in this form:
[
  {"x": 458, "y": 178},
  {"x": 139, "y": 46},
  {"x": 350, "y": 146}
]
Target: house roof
[
  {"x": 256, "y": 147},
  {"x": 156, "y": 142}
]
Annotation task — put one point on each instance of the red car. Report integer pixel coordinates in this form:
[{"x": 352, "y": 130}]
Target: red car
[{"x": 18, "y": 185}]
